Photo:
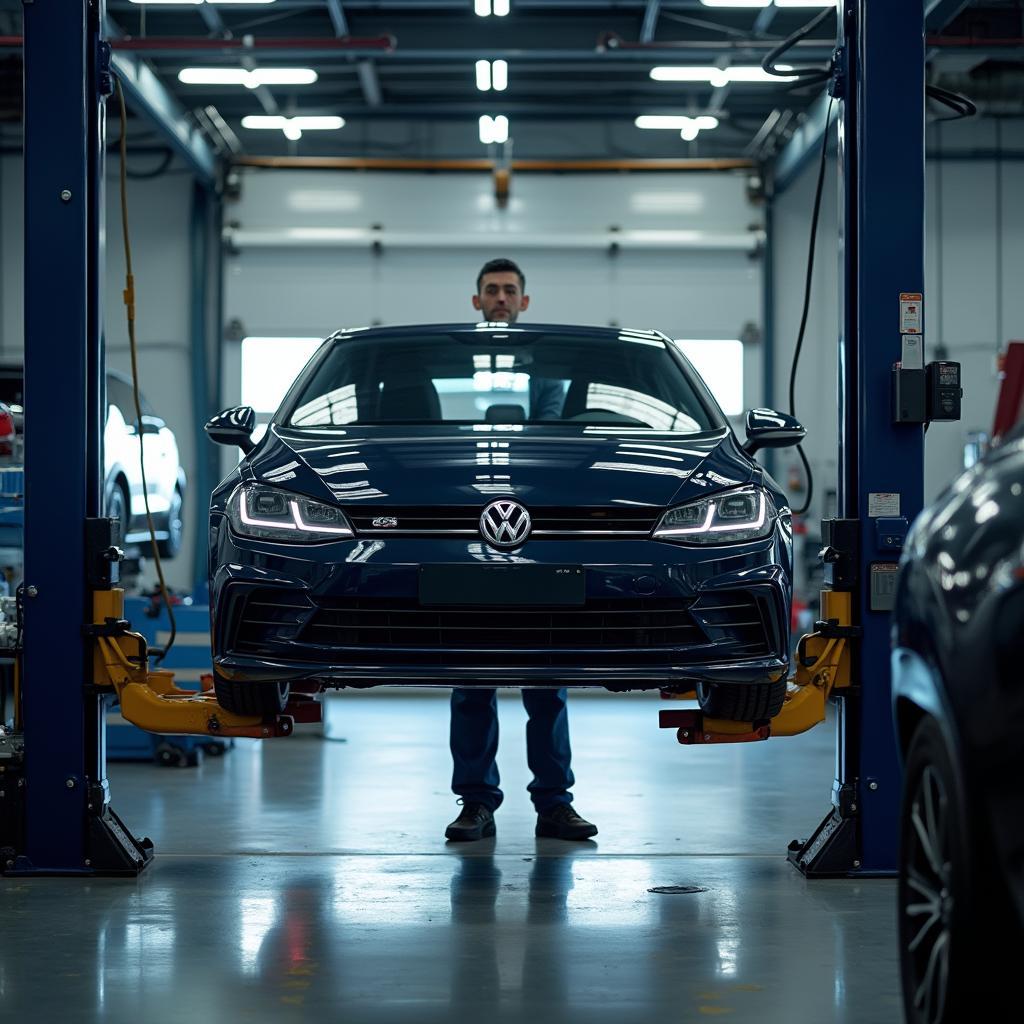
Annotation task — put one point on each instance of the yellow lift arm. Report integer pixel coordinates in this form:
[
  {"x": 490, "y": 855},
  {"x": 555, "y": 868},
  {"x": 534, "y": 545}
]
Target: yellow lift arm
[
  {"x": 149, "y": 697},
  {"x": 822, "y": 666}
]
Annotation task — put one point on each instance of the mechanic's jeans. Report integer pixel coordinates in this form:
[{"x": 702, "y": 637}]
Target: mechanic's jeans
[{"x": 474, "y": 743}]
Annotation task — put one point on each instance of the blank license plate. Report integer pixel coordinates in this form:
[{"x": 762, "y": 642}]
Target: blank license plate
[{"x": 502, "y": 584}]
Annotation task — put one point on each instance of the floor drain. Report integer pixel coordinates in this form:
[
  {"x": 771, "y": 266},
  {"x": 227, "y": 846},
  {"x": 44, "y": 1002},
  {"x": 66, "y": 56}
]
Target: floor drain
[{"x": 677, "y": 890}]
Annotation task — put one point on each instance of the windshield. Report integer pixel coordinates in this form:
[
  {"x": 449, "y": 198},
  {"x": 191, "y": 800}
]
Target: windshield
[{"x": 532, "y": 378}]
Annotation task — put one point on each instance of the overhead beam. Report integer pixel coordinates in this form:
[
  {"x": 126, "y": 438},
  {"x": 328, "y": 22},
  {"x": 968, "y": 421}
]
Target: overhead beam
[
  {"x": 807, "y": 139},
  {"x": 366, "y": 70},
  {"x": 338, "y": 19},
  {"x": 369, "y": 82},
  {"x": 210, "y": 15},
  {"x": 384, "y": 48},
  {"x": 939, "y": 13},
  {"x": 650, "y": 22},
  {"x": 764, "y": 20},
  {"x": 146, "y": 95}
]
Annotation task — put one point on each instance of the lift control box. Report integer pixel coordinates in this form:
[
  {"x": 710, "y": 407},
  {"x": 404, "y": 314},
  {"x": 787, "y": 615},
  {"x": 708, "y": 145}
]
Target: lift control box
[
  {"x": 909, "y": 395},
  {"x": 944, "y": 390}
]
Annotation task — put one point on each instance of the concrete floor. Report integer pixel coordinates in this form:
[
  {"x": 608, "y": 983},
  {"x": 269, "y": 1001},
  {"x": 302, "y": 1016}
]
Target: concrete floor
[{"x": 307, "y": 879}]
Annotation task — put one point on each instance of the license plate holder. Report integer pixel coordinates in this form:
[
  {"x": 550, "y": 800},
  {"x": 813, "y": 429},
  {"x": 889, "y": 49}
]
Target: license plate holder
[{"x": 502, "y": 583}]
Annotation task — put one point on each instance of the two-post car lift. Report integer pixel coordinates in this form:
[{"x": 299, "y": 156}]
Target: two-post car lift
[{"x": 55, "y": 814}]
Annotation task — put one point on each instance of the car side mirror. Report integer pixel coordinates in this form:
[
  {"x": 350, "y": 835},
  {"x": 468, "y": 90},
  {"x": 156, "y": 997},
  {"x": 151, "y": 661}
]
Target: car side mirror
[
  {"x": 233, "y": 426},
  {"x": 767, "y": 428}
]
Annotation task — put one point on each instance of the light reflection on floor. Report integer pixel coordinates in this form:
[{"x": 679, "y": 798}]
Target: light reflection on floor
[{"x": 307, "y": 880}]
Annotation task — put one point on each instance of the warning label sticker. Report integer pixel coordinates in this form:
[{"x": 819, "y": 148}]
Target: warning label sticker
[
  {"x": 883, "y": 505},
  {"x": 884, "y": 576},
  {"x": 911, "y": 312}
]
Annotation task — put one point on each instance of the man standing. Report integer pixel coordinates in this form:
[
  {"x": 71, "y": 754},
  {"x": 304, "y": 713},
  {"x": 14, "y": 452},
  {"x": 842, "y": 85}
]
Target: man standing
[{"x": 501, "y": 297}]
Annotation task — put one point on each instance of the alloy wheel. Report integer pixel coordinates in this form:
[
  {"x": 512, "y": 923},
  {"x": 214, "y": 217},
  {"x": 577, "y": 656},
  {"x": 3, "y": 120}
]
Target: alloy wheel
[{"x": 928, "y": 899}]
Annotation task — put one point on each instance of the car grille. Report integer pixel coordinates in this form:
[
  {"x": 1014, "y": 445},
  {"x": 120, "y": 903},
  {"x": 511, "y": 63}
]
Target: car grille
[
  {"x": 547, "y": 522},
  {"x": 397, "y": 632},
  {"x": 736, "y": 617}
]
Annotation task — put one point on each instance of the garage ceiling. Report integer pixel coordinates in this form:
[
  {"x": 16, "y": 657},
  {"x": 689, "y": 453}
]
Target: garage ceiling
[{"x": 401, "y": 73}]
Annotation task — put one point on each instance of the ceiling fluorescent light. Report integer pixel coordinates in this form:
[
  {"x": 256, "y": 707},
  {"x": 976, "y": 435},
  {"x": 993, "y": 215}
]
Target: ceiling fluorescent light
[
  {"x": 252, "y": 2},
  {"x": 283, "y": 76},
  {"x": 501, "y": 8},
  {"x": 492, "y": 75},
  {"x": 718, "y": 77},
  {"x": 293, "y": 127},
  {"x": 736, "y": 3},
  {"x": 482, "y": 7},
  {"x": 499, "y": 75},
  {"x": 213, "y": 76},
  {"x": 493, "y": 130},
  {"x": 695, "y": 125},
  {"x": 805, "y": 3},
  {"x": 688, "y": 127},
  {"x": 250, "y": 79},
  {"x": 755, "y": 73},
  {"x": 692, "y": 73},
  {"x": 659, "y": 121},
  {"x": 483, "y": 75}
]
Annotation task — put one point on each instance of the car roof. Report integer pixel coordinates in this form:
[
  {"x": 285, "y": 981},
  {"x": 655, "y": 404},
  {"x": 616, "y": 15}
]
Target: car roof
[{"x": 477, "y": 329}]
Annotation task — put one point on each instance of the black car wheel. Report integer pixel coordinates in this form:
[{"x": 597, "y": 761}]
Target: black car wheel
[
  {"x": 175, "y": 527},
  {"x": 116, "y": 506},
  {"x": 250, "y": 698},
  {"x": 936, "y": 945},
  {"x": 742, "y": 703}
]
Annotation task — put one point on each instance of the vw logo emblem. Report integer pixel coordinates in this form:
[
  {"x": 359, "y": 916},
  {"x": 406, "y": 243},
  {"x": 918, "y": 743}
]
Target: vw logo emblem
[{"x": 505, "y": 524}]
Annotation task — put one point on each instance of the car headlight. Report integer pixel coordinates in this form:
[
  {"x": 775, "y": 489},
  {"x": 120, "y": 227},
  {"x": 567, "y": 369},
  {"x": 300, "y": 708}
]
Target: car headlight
[
  {"x": 273, "y": 514},
  {"x": 730, "y": 517}
]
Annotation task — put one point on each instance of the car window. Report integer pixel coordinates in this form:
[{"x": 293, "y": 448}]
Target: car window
[
  {"x": 12, "y": 390},
  {"x": 120, "y": 393},
  {"x": 558, "y": 379}
]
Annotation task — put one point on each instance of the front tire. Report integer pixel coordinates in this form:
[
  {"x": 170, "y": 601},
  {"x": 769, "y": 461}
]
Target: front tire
[
  {"x": 116, "y": 506},
  {"x": 736, "y": 702},
  {"x": 246, "y": 697},
  {"x": 935, "y": 887},
  {"x": 175, "y": 527}
]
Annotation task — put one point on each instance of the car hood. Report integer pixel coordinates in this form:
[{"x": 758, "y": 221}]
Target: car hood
[{"x": 465, "y": 465}]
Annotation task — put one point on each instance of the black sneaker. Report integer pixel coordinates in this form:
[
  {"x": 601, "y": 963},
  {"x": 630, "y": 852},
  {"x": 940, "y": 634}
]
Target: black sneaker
[
  {"x": 562, "y": 822},
  {"x": 475, "y": 821}
]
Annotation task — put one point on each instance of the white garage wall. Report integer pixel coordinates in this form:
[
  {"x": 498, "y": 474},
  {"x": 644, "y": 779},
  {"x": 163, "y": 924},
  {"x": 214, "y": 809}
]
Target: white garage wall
[
  {"x": 973, "y": 302},
  {"x": 295, "y": 273},
  {"x": 159, "y": 213}
]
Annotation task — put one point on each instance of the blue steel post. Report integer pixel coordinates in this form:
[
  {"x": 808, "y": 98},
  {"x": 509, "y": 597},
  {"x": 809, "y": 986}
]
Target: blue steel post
[
  {"x": 202, "y": 483},
  {"x": 768, "y": 316},
  {"x": 60, "y": 40},
  {"x": 879, "y": 80},
  {"x": 882, "y": 160},
  {"x": 66, "y": 825}
]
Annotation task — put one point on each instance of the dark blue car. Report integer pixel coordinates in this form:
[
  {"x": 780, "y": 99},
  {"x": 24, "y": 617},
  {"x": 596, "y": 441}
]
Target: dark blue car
[
  {"x": 491, "y": 505},
  {"x": 958, "y": 644}
]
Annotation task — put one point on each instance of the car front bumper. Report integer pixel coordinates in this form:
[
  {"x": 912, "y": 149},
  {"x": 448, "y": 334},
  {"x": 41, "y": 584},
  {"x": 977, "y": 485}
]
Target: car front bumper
[{"x": 347, "y": 614}]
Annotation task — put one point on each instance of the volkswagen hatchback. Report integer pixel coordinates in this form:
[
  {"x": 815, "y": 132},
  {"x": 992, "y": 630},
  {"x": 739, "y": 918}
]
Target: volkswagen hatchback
[{"x": 494, "y": 505}]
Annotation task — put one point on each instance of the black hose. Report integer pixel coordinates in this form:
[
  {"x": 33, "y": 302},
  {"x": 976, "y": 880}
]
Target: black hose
[{"x": 768, "y": 64}]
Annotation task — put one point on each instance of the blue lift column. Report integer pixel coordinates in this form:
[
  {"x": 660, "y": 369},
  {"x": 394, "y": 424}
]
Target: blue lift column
[
  {"x": 880, "y": 86},
  {"x": 61, "y": 821}
]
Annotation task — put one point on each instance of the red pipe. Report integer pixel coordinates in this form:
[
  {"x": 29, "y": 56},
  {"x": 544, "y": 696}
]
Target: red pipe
[{"x": 384, "y": 44}]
